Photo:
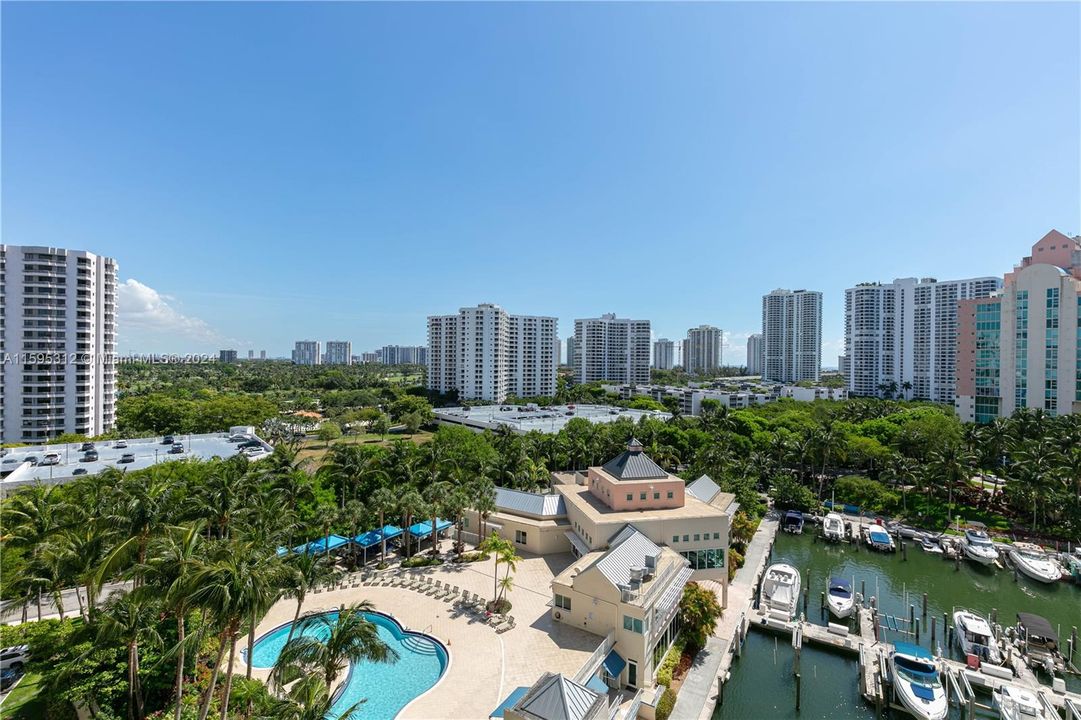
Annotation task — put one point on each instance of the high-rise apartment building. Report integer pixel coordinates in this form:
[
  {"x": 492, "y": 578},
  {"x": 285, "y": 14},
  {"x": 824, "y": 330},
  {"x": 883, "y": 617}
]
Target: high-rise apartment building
[
  {"x": 702, "y": 353},
  {"x": 403, "y": 355},
  {"x": 664, "y": 354},
  {"x": 572, "y": 350},
  {"x": 262, "y": 354},
  {"x": 791, "y": 336},
  {"x": 901, "y": 337},
  {"x": 227, "y": 356},
  {"x": 58, "y": 343},
  {"x": 369, "y": 357},
  {"x": 612, "y": 349},
  {"x": 484, "y": 353},
  {"x": 557, "y": 351},
  {"x": 754, "y": 354},
  {"x": 1021, "y": 348},
  {"x": 251, "y": 354},
  {"x": 338, "y": 352},
  {"x": 307, "y": 352}
]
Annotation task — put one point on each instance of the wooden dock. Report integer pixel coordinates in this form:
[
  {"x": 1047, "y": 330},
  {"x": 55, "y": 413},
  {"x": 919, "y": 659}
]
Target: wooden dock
[{"x": 960, "y": 680}]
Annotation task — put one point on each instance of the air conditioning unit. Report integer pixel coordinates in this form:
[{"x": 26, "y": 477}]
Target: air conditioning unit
[
  {"x": 626, "y": 592},
  {"x": 637, "y": 573},
  {"x": 651, "y": 563}
]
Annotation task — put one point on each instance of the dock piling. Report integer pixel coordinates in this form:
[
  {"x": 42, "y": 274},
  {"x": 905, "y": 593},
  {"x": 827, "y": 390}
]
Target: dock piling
[
  {"x": 911, "y": 617},
  {"x": 1073, "y": 637},
  {"x": 925, "y": 606},
  {"x": 934, "y": 622}
]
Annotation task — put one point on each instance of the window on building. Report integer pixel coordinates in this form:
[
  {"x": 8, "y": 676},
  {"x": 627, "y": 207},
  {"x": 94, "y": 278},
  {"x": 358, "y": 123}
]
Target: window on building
[
  {"x": 520, "y": 537},
  {"x": 630, "y": 496},
  {"x": 716, "y": 536},
  {"x": 562, "y": 602},
  {"x": 686, "y": 538},
  {"x": 656, "y": 496},
  {"x": 642, "y": 496},
  {"x": 696, "y": 538},
  {"x": 669, "y": 494},
  {"x": 632, "y": 624},
  {"x": 675, "y": 538}
]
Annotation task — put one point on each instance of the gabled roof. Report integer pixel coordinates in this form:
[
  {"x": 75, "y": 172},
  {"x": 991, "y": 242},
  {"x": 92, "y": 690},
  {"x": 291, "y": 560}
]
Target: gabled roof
[
  {"x": 555, "y": 697},
  {"x": 631, "y": 551},
  {"x": 551, "y": 505},
  {"x": 704, "y": 488},
  {"x": 634, "y": 464}
]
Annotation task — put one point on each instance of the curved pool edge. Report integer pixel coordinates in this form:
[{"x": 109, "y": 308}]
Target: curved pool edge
[
  {"x": 405, "y": 631},
  {"x": 345, "y": 681}
]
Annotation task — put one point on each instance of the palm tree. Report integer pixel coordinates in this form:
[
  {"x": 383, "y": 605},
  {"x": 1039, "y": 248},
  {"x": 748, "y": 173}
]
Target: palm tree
[
  {"x": 325, "y": 517},
  {"x": 482, "y": 491},
  {"x": 435, "y": 496},
  {"x": 130, "y": 619},
  {"x": 308, "y": 571},
  {"x": 499, "y": 548},
  {"x": 410, "y": 505},
  {"x": 383, "y": 501},
  {"x": 308, "y": 699},
  {"x": 32, "y": 516},
  {"x": 902, "y": 471},
  {"x": 141, "y": 513},
  {"x": 952, "y": 466},
  {"x": 327, "y": 643},
  {"x": 175, "y": 558}
]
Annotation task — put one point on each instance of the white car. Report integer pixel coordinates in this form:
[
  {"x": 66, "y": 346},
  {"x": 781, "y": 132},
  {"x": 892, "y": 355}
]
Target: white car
[
  {"x": 51, "y": 459},
  {"x": 14, "y": 657},
  {"x": 120, "y": 444}
]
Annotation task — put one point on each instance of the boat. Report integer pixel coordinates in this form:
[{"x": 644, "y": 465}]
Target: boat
[
  {"x": 1034, "y": 562},
  {"x": 780, "y": 590},
  {"x": 930, "y": 545},
  {"x": 978, "y": 547},
  {"x": 916, "y": 684},
  {"x": 1038, "y": 642},
  {"x": 975, "y": 637},
  {"x": 1018, "y": 703},
  {"x": 833, "y": 528},
  {"x": 793, "y": 522},
  {"x": 1072, "y": 564},
  {"x": 879, "y": 539},
  {"x": 840, "y": 598}
]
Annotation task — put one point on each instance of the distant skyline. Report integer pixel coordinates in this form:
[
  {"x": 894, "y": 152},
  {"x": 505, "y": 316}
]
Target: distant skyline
[{"x": 269, "y": 172}]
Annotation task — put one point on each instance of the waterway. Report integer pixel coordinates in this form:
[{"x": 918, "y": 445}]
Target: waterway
[{"x": 763, "y": 687}]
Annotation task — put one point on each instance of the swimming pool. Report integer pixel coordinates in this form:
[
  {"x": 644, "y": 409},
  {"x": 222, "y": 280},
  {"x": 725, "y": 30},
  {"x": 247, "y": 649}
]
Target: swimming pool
[{"x": 388, "y": 687}]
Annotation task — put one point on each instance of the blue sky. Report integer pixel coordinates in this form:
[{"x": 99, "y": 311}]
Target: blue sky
[{"x": 267, "y": 172}]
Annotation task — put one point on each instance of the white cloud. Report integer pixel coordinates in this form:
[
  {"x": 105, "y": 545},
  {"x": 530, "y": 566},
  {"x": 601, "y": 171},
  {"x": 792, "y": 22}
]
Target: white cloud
[{"x": 147, "y": 319}]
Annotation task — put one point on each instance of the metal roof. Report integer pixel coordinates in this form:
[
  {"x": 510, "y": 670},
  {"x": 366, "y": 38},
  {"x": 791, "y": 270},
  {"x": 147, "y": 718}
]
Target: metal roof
[
  {"x": 672, "y": 595},
  {"x": 558, "y": 698},
  {"x": 550, "y": 505},
  {"x": 634, "y": 464},
  {"x": 704, "y": 488},
  {"x": 630, "y": 552}
]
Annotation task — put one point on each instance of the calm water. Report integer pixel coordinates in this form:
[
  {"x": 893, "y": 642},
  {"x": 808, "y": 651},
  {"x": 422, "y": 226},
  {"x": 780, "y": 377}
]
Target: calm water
[
  {"x": 761, "y": 689},
  {"x": 388, "y": 687}
]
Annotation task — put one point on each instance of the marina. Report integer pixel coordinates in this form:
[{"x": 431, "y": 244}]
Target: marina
[{"x": 910, "y": 599}]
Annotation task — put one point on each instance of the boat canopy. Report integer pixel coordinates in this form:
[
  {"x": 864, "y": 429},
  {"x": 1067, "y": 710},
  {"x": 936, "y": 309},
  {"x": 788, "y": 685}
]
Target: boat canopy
[
  {"x": 840, "y": 587},
  {"x": 880, "y": 536},
  {"x": 1036, "y": 626},
  {"x": 795, "y": 515},
  {"x": 905, "y": 648}
]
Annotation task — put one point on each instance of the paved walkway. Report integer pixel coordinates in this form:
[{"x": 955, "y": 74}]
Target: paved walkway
[
  {"x": 698, "y": 694},
  {"x": 11, "y": 612}
]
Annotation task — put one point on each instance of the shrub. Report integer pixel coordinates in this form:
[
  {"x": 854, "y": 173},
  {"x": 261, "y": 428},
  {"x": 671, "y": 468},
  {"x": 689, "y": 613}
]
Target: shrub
[
  {"x": 421, "y": 561},
  {"x": 666, "y": 703},
  {"x": 670, "y": 661},
  {"x": 735, "y": 562},
  {"x": 474, "y": 557}
]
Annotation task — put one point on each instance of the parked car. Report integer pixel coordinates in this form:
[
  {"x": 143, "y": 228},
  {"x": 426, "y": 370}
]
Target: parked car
[
  {"x": 176, "y": 449},
  {"x": 237, "y": 438},
  {"x": 127, "y": 458},
  {"x": 250, "y": 444},
  {"x": 120, "y": 444},
  {"x": 86, "y": 446},
  {"x": 90, "y": 456},
  {"x": 32, "y": 459},
  {"x": 51, "y": 459},
  {"x": 79, "y": 471},
  {"x": 167, "y": 440},
  {"x": 8, "y": 678},
  {"x": 14, "y": 657}
]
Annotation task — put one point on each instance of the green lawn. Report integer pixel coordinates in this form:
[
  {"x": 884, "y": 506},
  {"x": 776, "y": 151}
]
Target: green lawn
[{"x": 23, "y": 703}]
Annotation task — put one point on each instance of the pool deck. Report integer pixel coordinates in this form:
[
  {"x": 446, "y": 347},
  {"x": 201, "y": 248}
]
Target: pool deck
[{"x": 485, "y": 666}]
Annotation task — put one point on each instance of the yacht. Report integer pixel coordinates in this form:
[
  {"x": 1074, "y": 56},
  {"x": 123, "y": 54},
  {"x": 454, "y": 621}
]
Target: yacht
[
  {"x": 1038, "y": 641},
  {"x": 916, "y": 684},
  {"x": 975, "y": 637},
  {"x": 1018, "y": 703},
  {"x": 840, "y": 599},
  {"x": 780, "y": 590},
  {"x": 1034, "y": 562},
  {"x": 978, "y": 548},
  {"x": 793, "y": 522},
  {"x": 879, "y": 539},
  {"x": 1072, "y": 564},
  {"x": 833, "y": 528}
]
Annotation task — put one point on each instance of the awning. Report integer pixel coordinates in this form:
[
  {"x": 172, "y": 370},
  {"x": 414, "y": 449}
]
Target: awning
[
  {"x": 1036, "y": 626},
  {"x": 510, "y": 702},
  {"x": 578, "y": 543},
  {"x": 614, "y": 664},
  {"x": 390, "y": 531},
  {"x": 596, "y": 684},
  {"x": 420, "y": 530},
  {"x": 321, "y": 545},
  {"x": 369, "y": 539}
]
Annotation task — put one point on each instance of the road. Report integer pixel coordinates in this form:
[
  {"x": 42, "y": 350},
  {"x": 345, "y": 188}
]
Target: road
[{"x": 11, "y": 612}]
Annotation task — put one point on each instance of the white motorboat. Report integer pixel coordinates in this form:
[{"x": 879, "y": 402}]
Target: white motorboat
[
  {"x": 975, "y": 637},
  {"x": 916, "y": 683},
  {"x": 840, "y": 598},
  {"x": 930, "y": 545},
  {"x": 1034, "y": 562},
  {"x": 978, "y": 547},
  {"x": 780, "y": 590},
  {"x": 879, "y": 539},
  {"x": 833, "y": 527},
  {"x": 1018, "y": 703}
]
